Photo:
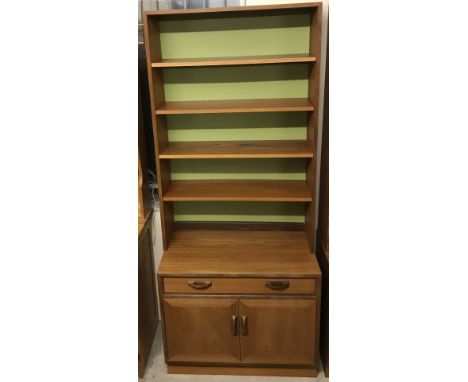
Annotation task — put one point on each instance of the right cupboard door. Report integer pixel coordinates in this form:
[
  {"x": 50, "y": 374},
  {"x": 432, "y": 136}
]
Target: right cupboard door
[{"x": 278, "y": 331}]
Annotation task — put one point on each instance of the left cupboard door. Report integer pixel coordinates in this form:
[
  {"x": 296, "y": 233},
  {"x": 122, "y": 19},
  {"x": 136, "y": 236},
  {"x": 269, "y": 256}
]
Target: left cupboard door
[{"x": 202, "y": 329}]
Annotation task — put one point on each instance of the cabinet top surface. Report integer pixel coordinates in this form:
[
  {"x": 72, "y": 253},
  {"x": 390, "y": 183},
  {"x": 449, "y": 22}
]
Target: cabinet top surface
[
  {"x": 239, "y": 253},
  {"x": 235, "y": 9}
]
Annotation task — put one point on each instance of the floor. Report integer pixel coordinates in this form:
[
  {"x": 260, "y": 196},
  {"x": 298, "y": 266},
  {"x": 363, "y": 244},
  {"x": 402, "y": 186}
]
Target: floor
[{"x": 156, "y": 371}]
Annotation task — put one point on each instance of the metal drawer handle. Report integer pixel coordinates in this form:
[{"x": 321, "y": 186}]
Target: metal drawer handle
[
  {"x": 244, "y": 326},
  {"x": 234, "y": 325},
  {"x": 277, "y": 285},
  {"x": 200, "y": 284}
]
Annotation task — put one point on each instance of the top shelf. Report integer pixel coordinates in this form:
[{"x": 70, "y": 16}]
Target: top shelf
[{"x": 241, "y": 60}]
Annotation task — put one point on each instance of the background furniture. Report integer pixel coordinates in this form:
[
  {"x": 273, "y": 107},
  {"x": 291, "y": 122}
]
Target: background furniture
[
  {"x": 233, "y": 93},
  {"x": 147, "y": 300},
  {"x": 148, "y": 316}
]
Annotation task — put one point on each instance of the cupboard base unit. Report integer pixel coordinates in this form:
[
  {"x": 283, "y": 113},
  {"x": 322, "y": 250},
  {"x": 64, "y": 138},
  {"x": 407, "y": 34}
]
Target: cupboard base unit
[
  {"x": 240, "y": 316},
  {"x": 251, "y": 371}
]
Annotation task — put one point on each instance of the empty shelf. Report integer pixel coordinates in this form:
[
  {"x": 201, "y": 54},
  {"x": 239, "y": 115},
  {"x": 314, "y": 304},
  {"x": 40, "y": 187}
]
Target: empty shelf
[
  {"x": 238, "y": 190},
  {"x": 243, "y": 60},
  {"x": 237, "y": 149},
  {"x": 236, "y": 106}
]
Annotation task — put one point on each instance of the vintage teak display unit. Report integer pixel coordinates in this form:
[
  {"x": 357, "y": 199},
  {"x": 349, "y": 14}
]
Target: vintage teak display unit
[{"x": 234, "y": 93}]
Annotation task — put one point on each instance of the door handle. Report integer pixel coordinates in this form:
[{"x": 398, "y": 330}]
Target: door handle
[
  {"x": 234, "y": 325},
  {"x": 244, "y": 326},
  {"x": 277, "y": 285},
  {"x": 200, "y": 284}
]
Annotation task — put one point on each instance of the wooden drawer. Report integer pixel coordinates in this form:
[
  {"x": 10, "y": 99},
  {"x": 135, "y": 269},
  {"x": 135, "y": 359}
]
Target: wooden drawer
[{"x": 239, "y": 285}]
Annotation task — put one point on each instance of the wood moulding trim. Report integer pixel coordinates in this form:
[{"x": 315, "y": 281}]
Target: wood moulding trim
[{"x": 242, "y": 370}]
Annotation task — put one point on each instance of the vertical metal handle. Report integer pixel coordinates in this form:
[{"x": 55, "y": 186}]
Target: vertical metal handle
[
  {"x": 244, "y": 326},
  {"x": 234, "y": 325}
]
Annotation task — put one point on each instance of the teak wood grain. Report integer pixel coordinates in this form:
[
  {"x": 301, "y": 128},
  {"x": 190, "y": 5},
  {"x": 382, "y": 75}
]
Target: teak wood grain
[
  {"x": 237, "y": 149},
  {"x": 280, "y": 331},
  {"x": 236, "y": 106},
  {"x": 322, "y": 232},
  {"x": 283, "y": 330},
  {"x": 216, "y": 285},
  {"x": 243, "y": 370},
  {"x": 241, "y": 60},
  {"x": 232, "y": 253},
  {"x": 247, "y": 9},
  {"x": 312, "y": 129},
  {"x": 199, "y": 329},
  {"x": 238, "y": 190},
  {"x": 160, "y": 132}
]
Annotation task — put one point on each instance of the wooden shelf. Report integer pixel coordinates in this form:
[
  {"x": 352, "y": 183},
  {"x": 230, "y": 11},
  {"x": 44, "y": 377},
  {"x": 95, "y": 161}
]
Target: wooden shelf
[
  {"x": 237, "y": 149},
  {"x": 241, "y": 60},
  {"x": 236, "y": 106},
  {"x": 238, "y": 253},
  {"x": 238, "y": 190}
]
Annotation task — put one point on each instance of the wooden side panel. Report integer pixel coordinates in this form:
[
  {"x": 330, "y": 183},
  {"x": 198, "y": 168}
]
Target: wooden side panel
[
  {"x": 147, "y": 301},
  {"x": 157, "y": 97},
  {"x": 199, "y": 329},
  {"x": 314, "y": 92},
  {"x": 278, "y": 331},
  {"x": 322, "y": 232}
]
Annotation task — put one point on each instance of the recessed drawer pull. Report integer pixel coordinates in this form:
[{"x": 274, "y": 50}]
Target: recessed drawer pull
[
  {"x": 277, "y": 285},
  {"x": 200, "y": 284}
]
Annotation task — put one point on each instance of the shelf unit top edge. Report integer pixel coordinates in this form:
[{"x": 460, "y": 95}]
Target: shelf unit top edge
[{"x": 272, "y": 7}]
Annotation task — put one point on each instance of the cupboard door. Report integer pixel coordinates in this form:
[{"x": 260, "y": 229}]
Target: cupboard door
[
  {"x": 202, "y": 329},
  {"x": 277, "y": 331}
]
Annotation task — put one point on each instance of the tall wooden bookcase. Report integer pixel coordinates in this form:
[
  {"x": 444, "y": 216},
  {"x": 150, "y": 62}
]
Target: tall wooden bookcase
[{"x": 234, "y": 93}]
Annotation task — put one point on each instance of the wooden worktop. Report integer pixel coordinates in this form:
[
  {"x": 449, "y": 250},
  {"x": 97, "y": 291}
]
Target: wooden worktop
[{"x": 238, "y": 253}]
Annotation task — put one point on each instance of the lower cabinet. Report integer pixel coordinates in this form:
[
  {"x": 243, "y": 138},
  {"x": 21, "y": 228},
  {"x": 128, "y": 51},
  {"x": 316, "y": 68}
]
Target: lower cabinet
[{"x": 280, "y": 331}]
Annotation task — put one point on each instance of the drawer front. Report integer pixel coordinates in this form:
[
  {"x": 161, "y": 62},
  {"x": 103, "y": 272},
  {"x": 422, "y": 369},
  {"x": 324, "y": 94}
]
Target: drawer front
[{"x": 239, "y": 285}]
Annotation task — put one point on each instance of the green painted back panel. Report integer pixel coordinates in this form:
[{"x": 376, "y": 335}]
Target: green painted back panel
[
  {"x": 239, "y": 211},
  {"x": 202, "y": 36},
  {"x": 237, "y": 126},
  {"x": 236, "y": 82},
  {"x": 205, "y": 169}
]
